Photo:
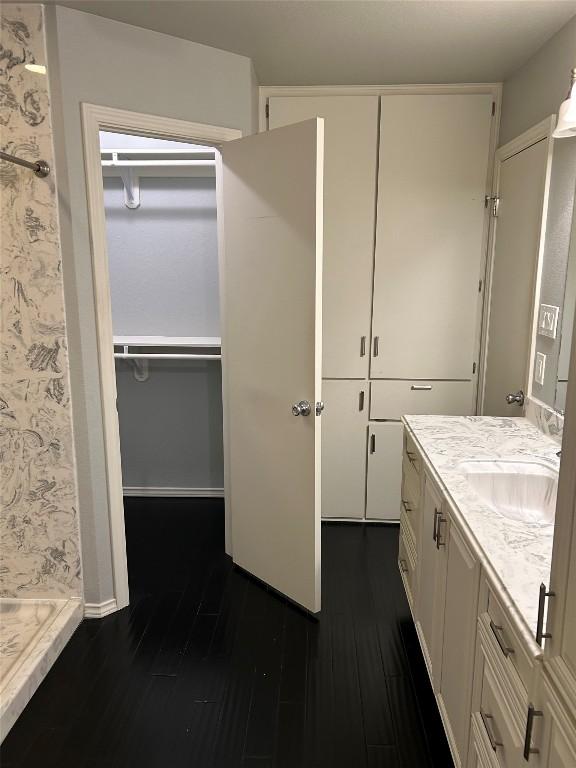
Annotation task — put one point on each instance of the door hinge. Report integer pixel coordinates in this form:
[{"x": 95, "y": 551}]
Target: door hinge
[
  {"x": 493, "y": 108},
  {"x": 267, "y": 111},
  {"x": 494, "y": 202}
]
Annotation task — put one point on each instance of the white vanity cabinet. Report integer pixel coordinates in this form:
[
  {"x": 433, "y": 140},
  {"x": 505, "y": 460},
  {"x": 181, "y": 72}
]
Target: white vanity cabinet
[{"x": 557, "y": 748}]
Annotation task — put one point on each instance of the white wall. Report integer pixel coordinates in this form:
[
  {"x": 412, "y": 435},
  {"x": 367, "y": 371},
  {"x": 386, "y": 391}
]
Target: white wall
[
  {"x": 104, "y": 62},
  {"x": 536, "y": 89}
]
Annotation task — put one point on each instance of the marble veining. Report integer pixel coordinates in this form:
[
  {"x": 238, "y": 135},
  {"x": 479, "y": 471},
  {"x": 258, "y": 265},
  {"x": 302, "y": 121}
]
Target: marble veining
[
  {"x": 548, "y": 421},
  {"x": 39, "y": 539},
  {"x": 32, "y": 635},
  {"x": 518, "y": 554}
]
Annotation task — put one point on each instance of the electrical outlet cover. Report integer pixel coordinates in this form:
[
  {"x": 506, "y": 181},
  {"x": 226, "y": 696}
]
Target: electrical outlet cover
[
  {"x": 548, "y": 320},
  {"x": 539, "y": 368}
]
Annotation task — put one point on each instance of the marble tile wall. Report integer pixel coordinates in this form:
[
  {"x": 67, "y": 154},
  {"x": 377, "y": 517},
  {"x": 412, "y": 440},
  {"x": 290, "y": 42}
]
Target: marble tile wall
[
  {"x": 39, "y": 535},
  {"x": 548, "y": 421}
]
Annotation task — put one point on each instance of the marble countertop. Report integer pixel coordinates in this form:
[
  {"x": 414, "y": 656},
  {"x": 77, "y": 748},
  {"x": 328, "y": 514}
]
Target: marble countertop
[{"x": 516, "y": 555}]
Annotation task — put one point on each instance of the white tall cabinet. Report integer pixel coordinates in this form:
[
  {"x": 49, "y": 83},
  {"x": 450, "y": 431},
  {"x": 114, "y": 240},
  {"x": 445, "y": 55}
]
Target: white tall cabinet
[{"x": 405, "y": 230}]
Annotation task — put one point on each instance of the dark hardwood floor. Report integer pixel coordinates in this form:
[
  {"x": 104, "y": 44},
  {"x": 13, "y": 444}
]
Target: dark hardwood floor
[{"x": 208, "y": 668}]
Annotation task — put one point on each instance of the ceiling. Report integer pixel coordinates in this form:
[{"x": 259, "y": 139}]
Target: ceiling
[{"x": 303, "y": 42}]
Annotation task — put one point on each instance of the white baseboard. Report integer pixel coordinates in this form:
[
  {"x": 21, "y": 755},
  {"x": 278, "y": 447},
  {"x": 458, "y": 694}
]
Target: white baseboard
[
  {"x": 150, "y": 490},
  {"x": 99, "y": 610}
]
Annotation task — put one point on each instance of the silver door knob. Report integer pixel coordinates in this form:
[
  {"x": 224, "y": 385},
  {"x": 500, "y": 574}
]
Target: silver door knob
[
  {"x": 303, "y": 408},
  {"x": 517, "y": 398}
]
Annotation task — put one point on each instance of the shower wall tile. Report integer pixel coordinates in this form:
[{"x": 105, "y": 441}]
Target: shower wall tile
[{"x": 39, "y": 538}]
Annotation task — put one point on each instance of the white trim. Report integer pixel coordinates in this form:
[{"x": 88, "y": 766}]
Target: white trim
[
  {"x": 168, "y": 491},
  {"x": 268, "y": 91},
  {"x": 99, "y": 610},
  {"x": 96, "y": 118},
  {"x": 542, "y": 131}
]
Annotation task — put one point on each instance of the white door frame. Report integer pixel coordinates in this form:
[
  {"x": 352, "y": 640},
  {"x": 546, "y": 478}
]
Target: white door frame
[
  {"x": 95, "y": 119},
  {"x": 539, "y": 132}
]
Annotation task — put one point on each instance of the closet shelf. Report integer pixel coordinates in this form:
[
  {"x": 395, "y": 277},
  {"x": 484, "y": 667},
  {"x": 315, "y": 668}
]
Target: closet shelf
[{"x": 167, "y": 347}]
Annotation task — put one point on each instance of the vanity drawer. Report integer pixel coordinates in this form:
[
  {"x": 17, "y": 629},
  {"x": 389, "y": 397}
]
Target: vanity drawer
[
  {"x": 392, "y": 399},
  {"x": 498, "y": 728},
  {"x": 481, "y": 752},
  {"x": 508, "y": 646},
  {"x": 407, "y": 562}
]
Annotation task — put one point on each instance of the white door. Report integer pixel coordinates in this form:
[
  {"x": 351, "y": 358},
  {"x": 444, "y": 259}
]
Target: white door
[
  {"x": 351, "y": 152},
  {"x": 521, "y": 191},
  {"x": 272, "y": 347},
  {"x": 344, "y": 430},
  {"x": 384, "y": 481}
]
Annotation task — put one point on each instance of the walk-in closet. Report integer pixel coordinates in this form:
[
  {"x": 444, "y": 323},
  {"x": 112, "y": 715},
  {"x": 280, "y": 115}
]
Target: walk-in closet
[{"x": 161, "y": 228}]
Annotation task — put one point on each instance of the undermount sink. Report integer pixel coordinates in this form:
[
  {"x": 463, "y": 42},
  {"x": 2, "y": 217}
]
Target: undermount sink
[{"x": 520, "y": 489}]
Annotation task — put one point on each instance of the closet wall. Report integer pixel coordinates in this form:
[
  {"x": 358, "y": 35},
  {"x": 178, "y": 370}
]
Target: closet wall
[
  {"x": 405, "y": 180},
  {"x": 163, "y": 261}
]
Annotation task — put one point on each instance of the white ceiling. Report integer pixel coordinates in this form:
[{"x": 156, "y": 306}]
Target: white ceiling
[{"x": 303, "y": 42}]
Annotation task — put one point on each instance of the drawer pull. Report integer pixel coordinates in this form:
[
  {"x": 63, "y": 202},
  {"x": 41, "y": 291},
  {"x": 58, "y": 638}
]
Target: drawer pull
[
  {"x": 488, "y": 721},
  {"x": 403, "y": 566},
  {"x": 540, "y": 634},
  {"x": 498, "y": 633},
  {"x": 528, "y": 748},
  {"x": 421, "y": 387},
  {"x": 439, "y": 542},
  {"x": 411, "y": 457},
  {"x": 407, "y": 507},
  {"x": 435, "y": 529}
]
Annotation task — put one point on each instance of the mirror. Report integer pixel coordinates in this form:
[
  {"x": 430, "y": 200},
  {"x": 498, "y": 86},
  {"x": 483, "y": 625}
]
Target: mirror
[{"x": 557, "y": 297}]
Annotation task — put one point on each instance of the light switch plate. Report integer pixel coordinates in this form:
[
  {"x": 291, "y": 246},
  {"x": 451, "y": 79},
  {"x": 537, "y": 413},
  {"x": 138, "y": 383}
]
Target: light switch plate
[
  {"x": 539, "y": 368},
  {"x": 548, "y": 320}
]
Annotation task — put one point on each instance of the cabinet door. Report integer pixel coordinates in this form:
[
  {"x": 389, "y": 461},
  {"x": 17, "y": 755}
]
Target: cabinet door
[
  {"x": 459, "y": 634},
  {"x": 384, "y": 482},
  {"x": 344, "y": 429},
  {"x": 433, "y": 167},
  {"x": 350, "y": 162},
  {"x": 559, "y": 734},
  {"x": 431, "y": 581}
]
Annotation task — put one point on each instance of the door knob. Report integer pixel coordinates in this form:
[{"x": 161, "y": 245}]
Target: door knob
[
  {"x": 303, "y": 408},
  {"x": 517, "y": 398}
]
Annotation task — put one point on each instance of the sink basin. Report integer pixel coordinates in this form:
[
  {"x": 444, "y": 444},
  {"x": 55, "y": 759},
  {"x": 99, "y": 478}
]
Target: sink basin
[{"x": 520, "y": 489}]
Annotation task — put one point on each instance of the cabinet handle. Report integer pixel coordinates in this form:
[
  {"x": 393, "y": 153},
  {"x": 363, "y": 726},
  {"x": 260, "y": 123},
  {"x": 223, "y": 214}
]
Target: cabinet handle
[
  {"x": 421, "y": 387},
  {"x": 361, "y": 400},
  {"x": 435, "y": 530},
  {"x": 411, "y": 457},
  {"x": 498, "y": 633},
  {"x": 407, "y": 507},
  {"x": 492, "y": 738},
  {"x": 439, "y": 542},
  {"x": 403, "y": 566},
  {"x": 540, "y": 634},
  {"x": 362, "y": 346},
  {"x": 376, "y": 341},
  {"x": 372, "y": 443},
  {"x": 528, "y": 748}
]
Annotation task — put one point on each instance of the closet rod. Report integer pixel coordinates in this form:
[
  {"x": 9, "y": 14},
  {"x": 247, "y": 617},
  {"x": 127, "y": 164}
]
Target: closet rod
[
  {"x": 40, "y": 167},
  {"x": 138, "y": 356},
  {"x": 155, "y": 163}
]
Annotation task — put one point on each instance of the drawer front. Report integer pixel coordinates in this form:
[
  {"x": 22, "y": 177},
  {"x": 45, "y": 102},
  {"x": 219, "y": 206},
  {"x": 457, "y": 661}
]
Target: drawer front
[
  {"x": 393, "y": 399},
  {"x": 410, "y": 504},
  {"x": 497, "y": 721},
  {"x": 482, "y": 755},
  {"x": 406, "y": 564},
  {"x": 508, "y": 646}
]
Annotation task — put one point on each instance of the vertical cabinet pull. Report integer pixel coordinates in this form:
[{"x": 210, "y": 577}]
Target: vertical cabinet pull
[
  {"x": 372, "y": 443},
  {"x": 361, "y": 400},
  {"x": 439, "y": 541},
  {"x": 435, "y": 530},
  {"x": 544, "y": 593},
  {"x": 403, "y": 566},
  {"x": 376, "y": 341},
  {"x": 498, "y": 633},
  {"x": 528, "y": 748},
  {"x": 362, "y": 346},
  {"x": 488, "y": 721}
]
